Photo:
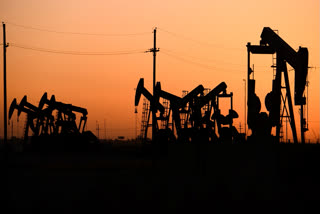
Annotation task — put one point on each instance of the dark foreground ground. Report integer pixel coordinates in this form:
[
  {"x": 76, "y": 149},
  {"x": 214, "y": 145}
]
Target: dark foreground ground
[{"x": 184, "y": 178}]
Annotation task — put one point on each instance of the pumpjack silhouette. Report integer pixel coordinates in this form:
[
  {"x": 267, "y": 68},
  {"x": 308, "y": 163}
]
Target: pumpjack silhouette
[
  {"x": 203, "y": 121},
  {"x": 46, "y": 128},
  {"x": 278, "y": 102}
]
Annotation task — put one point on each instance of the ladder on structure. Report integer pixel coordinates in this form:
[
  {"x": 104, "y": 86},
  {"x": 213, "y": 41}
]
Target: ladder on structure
[
  {"x": 165, "y": 122},
  {"x": 144, "y": 118},
  {"x": 184, "y": 115}
]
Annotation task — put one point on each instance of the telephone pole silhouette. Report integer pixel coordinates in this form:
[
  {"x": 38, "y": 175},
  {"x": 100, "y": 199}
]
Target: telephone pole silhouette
[
  {"x": 97, "y": 129},
  {"x": 5, "y": 45},
  {"x": 245, "y": 109},
  {"x": 154, "y": 50},
  {"x": 105, "y": 130}
]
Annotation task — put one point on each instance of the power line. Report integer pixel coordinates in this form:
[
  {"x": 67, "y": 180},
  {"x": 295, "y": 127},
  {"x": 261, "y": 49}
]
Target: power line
[
  {"x": 76, "y": 52},
  {"x": 75, "y": 33},
  {"x": 210, "y": 60},
  {"x": 198, "y": 41},
  {"x": 192, "y": 62},
  {"x": 201, "y": 58}
]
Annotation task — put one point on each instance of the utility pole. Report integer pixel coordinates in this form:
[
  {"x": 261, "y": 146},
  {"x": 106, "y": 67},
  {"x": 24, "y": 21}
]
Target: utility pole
[
  {"x": 136, "y": 120},
  {"x": 154, "y": 50},
  {"x": 4, "y": 82},
  {"x": 97, "y": 128},
  {"x": 12, "y": 130},
  {"x": 247, "y": 92},
  {"x": 105, "y": 130},
  {"x": 245, "y": 109},
  {"x": 302, "y": 122}
]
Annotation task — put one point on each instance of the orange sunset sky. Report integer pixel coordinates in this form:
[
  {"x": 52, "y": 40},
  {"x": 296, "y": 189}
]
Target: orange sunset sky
[{"x": 201, "y": 42}]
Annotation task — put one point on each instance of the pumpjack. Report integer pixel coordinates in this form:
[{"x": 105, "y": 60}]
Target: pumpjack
[
  {"x": 31, "y": 115},
  {"x": 199, "y": 125},
  {"x": 278, "y": 104},
  {"x": 66, "y": 118},
  {"x": 45, "y": 126},
  {"x": 141, "y": 90},
  {"x": 177, "y": 106},
  {"x": 212, "y": 123}
]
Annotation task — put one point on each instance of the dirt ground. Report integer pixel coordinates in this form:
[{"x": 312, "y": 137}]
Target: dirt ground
[{"x": 181, "y": 178}]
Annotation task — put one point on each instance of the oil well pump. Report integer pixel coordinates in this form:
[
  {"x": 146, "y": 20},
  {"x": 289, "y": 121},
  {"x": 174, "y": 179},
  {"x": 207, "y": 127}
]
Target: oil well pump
[
  {"x": 203, "y": 121},
  {"x": 278, "y": 102},
  {"x": 178, "y": 106},
  {"x": 31, "y": 115},
  {"x": 46, "y": 126},
  {"x": 141, "y": 90},
  {"x": 212, "y": 125}
]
